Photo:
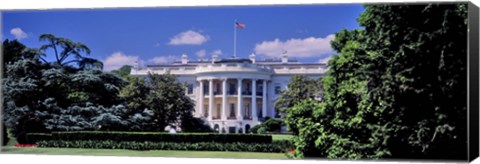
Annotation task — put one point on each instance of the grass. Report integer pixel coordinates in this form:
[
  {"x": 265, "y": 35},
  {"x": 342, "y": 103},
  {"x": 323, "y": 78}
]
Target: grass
[
  {"x": 10, "y": 149},
  {"x": 151, "y": 153},
  {"x": 276, "y": 137}
]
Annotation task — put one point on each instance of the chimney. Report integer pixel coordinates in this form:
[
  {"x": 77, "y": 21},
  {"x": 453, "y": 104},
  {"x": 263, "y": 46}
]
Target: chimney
[
  {"x": 252, "y": 57},
  {"x": 214, "y": 58},
  {"x": 184, "y": 59},
  {"x": 284, "y": 57}
]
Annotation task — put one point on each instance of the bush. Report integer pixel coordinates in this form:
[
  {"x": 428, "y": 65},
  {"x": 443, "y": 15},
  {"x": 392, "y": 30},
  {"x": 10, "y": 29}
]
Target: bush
[
  {"x": 4, "y": 135},
  {"x": 151, "y": 136},
  {"x": 254, "y": 129},
  {"x": 262, "y": 130},
  {"x": 270, "y": 126},
  {"x": 195, "y": 125},
  {"x": 283, "y": 143},
  {"x": 28, "y": 123},
  {"x": 32, "y": 138},
  {"x": 273, "y": 125},
  {"x": 146, "y": 145}
]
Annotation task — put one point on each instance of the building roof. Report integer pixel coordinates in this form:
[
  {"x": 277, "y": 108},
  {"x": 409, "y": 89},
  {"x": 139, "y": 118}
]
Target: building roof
[{"x": 234, "y": 60}]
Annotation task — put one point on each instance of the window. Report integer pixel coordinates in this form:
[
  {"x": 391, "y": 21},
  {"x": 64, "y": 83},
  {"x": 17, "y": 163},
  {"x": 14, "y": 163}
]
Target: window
[
  {"x": 189, "y": 89},
  {"x": 278, "y": 89},
  {"x": 232, "y": 110},
  {"x": 259, "y": 110},
  {"x": 247, "y": 110},
  {"x": 219, "y": 108},
  {"x": 217, "y": 91},
  {"x": 205, "y": 110},
  {"x": 232, "y": 89},
  {"x": 205, "y": 90}
]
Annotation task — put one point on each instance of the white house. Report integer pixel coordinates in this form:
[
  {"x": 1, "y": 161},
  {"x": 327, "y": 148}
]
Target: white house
[{"x": 235, "y": 94}]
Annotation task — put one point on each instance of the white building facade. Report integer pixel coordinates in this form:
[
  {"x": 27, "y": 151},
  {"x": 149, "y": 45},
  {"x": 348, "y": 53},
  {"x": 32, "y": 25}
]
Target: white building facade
[{"x": 235, "y": 94}]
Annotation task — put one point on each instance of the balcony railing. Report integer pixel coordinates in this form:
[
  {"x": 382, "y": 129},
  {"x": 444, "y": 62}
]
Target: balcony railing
[{"x": 247, "y": 117}]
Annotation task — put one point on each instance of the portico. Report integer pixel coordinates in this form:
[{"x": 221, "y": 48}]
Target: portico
[{"x": 232, "y": 98}]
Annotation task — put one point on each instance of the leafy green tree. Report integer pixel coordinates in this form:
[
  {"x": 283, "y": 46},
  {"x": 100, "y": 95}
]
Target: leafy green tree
[
  {"x": 135, "y": 93},
  {"x": 167, "y": 100},
  {"x": 123, "y": 71},
  {"x": 14, "y": 51},
  {"x": 66, "y": 49},
  {"x": 30, "y": 86},
  {"x": 273, "y": 125},
  {"x": 396, "y": 89},
  {"x": 300, "y": 88}
]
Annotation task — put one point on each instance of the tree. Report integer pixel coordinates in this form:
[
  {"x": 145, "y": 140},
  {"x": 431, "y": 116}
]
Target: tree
[
  {"x": 135, "y": 93},
  {"x": 396, "y": 89},
  {"x": 123, "y": 71},
  {"x": 300, "y": 88},
  {"x": 14, "y": 51},
  {"x": 36, "y": 92},
  {"x": 64, "y": 48},
  {"x": 167, "y": 100}
]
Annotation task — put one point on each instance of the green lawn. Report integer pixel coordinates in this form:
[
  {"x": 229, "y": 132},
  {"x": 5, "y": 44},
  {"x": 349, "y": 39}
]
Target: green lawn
[
  {"x": 281, "y": 136},
  {"x": 151, "y": 153},
  {"x": 10, "y": 149}
]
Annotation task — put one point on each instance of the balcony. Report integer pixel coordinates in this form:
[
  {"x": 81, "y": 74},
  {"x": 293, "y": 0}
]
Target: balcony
[
  {"x": 232, "y": 117},
  {"x": 247, "y": 117}
]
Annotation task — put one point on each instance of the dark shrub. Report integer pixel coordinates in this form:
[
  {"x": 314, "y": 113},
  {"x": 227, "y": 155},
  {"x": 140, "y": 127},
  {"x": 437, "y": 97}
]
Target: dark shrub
[
  {"x": 255, "y": 128},
  {"x": 28, "y": 123},
  {"x": 153, "y": 137},
  {"x": 146, "y": 145},
  {"x": 195, "y": 125},
  {"x": 273, "y": 125},
  {"x": 4, "y": 135}
]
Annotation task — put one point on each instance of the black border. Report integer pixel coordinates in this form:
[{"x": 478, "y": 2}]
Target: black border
[{"x": 473, "y": 75}]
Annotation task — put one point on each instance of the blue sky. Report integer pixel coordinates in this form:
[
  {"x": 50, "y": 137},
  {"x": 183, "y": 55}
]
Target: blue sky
[{"x": 161, "y": 35}]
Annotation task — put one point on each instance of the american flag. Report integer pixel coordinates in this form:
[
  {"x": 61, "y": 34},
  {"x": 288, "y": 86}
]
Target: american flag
[{"x": 240, "y": 25}]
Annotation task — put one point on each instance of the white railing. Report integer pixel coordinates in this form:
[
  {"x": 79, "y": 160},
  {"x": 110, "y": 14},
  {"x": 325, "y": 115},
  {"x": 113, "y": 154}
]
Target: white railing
[
  {"x": 234, "y": 67},
  {"x": 231, "y": 67},
  {"x": 300, "y": 70}
]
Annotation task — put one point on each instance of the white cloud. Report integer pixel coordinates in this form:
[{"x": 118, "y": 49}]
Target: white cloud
[
  {"x": 119, "y": 59},
  {"x": 188, "y": 38},
  {"x": 300, "y": 48},
  {"x": 325, "y": 60},
  {"x": 201, "y": 54},
  {"x": 18, "y": 33},
  {"x": 162, "y": 59},
  {"x": 216, "y": 52}
]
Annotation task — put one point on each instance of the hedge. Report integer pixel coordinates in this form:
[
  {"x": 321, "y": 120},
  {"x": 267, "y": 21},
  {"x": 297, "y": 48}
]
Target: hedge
[
  {"x": 200, "y": 146},
  {"x": 150, "y": 136}
]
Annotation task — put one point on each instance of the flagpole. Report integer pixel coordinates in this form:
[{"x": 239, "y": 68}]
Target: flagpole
[{"x": 234, "y": 39}]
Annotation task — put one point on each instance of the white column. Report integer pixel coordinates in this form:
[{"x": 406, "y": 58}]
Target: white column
[
  {"x": 200, "y": 99},
  {"x": 224, "y": 99},
  {"x": 254, "y": 99},
  {"x": 210, "y": 99},
  {"x": 264, "y": 99},
  {"x": 239, "y": 99}
]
